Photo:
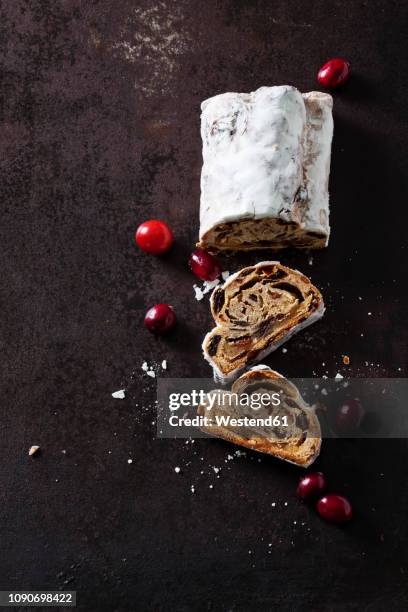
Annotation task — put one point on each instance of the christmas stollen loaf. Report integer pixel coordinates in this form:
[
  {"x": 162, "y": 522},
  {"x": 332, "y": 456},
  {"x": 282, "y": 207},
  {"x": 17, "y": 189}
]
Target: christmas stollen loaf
[
  {"x": 296, "y": 439},
  {"x": 255, "y": 311},
  {"x": 266, "y": 164}
]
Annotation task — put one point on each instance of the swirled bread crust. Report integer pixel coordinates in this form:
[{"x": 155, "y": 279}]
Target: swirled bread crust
[
  {"x": 255, "y": 311},
  {"x": 266, "y": 164},
  {"x": 299, "y": 442}
]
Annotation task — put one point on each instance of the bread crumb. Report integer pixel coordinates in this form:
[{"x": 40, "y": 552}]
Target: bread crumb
[
  {"x": 33, "y": 450},
  {"x": 198, "y": 293},
  {"x": 130, "y": 460},
  {"x": 151, "y": 374},
  {"x": 145, "y": 367},
  {"x": 284, "y": 350},
  {"x": 338, "y": 376},
  {"x": 177, "y": 470},
  {"x": 207, "y": 286},
  {"x": 119, "y": 394},
  {"x": 192, "y": 489},
  {"x": 164, "y": 364},
  {"x": 225, "y": 275}
]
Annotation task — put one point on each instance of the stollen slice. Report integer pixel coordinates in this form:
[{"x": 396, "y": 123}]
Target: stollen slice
[
  {"x": 255, "y": 311},
  {"x": 296, "y": 438}
]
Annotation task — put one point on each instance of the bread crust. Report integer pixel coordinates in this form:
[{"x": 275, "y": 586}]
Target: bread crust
[{"x": 302, "y": 454}]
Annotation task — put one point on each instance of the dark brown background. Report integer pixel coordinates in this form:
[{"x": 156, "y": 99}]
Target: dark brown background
[{"x": 99, "y": 131}]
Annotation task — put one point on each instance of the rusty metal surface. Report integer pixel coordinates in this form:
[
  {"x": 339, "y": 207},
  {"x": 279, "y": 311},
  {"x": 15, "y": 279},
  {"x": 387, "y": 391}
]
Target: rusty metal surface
[{"x": 99, "y": 131}]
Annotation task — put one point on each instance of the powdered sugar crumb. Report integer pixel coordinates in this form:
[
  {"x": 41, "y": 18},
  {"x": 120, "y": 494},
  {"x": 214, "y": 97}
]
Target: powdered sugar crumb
[
  {"x": 207, "y": 286},
  {"x": 119, "y": 394},
  {"x": 198, "y": 293},
  {"x": 153, "y": 369}
]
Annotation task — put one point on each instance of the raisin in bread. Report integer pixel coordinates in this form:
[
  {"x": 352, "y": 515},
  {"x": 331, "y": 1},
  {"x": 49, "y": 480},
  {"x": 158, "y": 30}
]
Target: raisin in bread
[
  {"x": 255, "y": 311},
  {"x": 298, "y": 442}
]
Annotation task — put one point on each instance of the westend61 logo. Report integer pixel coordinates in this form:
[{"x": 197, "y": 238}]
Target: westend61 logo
[{"x": 239, "y": 403}]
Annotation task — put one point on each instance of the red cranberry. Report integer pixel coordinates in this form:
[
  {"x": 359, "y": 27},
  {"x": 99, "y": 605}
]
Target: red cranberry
[
  {"x": 334, "y": 73},
  {"x": 335, "y": 508},
  {"x": 349, "y": 416},
  {"x": 204, "y": 265},
  {"x": 160, "y": 319},
  {"x": 154, "y": 237},
  {"x": 311, "y": 486}
]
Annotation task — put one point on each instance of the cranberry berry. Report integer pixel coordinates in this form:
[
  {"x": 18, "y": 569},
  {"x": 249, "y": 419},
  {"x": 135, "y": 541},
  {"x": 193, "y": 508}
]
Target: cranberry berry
[
  {"x": 154, "y": 237},
  {"x": 335, "y": 508},
  {"x": 334, "y": 73},
  {"x": 311, "y": 486},
  {"x": 349, "y": 416},
  {"x": 160, "y": 319},
  {"x": 204, "y": 265}
]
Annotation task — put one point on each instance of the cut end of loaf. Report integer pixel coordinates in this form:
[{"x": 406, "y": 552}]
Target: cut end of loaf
[{"x": 258, "y": 234}]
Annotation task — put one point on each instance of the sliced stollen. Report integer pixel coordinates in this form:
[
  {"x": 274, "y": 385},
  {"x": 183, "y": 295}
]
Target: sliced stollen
[
  {"x": 265, "y": 174},
  {"x": 255, "y": 311},
  {"x": 298, "y": 441}
]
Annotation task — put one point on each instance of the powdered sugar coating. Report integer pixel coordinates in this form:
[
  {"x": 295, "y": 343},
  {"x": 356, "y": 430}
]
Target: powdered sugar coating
[{"x": 266, "y": 154}]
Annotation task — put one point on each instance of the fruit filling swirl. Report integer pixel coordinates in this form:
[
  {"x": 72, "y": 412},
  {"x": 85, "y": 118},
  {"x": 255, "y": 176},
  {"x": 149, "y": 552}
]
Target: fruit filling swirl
[
  {"x": 249, "y": 234},
  {"x": 258, "y": 305},
  {"x": 256, "y": 309}
]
